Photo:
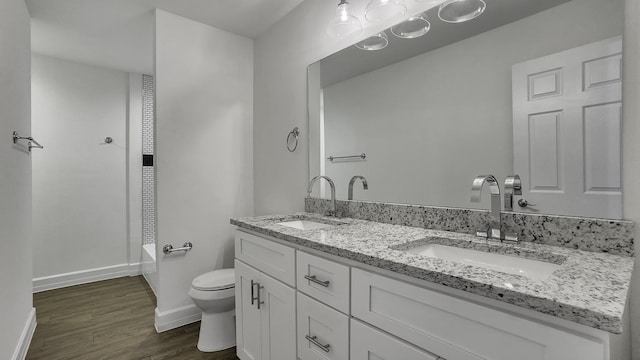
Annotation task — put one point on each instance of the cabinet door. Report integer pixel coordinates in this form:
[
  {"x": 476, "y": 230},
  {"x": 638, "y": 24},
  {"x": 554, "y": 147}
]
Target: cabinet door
[
  {"x": 370, "y": 344},
  {"x": 278, "y": 319},
  {"x": 248, "y": 330},
  {"x": 323, "y": 333}
]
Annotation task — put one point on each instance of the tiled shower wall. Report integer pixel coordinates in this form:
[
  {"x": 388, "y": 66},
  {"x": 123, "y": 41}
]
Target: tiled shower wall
[{"x": 148, "y": 173}]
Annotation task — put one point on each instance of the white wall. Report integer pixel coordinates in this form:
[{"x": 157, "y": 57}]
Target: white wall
[
  {"x": 437, "y": 120},
  {"x": 282, "y": 55},
  {"x": 18, "y": 315},
  {"x": 79, "y": 182},
  {"x": 631, "y": 150},
  {"x": 203, "y": 138}
]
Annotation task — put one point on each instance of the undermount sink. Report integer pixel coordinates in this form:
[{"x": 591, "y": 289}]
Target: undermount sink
[
  {"x": 532, "y": 269},
  {"x": 305, "y": 224}
]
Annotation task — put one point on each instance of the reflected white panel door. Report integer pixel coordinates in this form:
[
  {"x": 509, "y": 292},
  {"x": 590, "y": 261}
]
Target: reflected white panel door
[{"x": 566, "y": 131}]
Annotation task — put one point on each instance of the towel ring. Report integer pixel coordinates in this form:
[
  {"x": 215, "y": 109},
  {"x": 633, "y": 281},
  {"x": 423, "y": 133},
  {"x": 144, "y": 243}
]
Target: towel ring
[{"x": 292, "y": 142}]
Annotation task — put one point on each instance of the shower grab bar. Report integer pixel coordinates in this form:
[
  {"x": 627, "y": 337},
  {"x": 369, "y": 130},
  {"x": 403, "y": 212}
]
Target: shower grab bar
[
  {"x": 168, "y": 249},
  {"x": 31, "y": 140},
  {"x": 361, "y": 156}
]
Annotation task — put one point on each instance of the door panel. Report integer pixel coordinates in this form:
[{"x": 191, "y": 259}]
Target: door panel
[
  {"x": 544, "y": 151},
  {"x": 566, "y": 130},
  {"x": 602, "y": 71},
  {"x": 602, "y": 153}
]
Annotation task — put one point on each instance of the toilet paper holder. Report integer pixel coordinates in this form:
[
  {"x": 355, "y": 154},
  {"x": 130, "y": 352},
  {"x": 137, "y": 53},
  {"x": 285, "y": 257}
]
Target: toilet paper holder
[{"x": 168, "y": 249}]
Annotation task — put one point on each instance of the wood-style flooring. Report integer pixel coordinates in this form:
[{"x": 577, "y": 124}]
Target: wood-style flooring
[{"x": 110, "y": 319}]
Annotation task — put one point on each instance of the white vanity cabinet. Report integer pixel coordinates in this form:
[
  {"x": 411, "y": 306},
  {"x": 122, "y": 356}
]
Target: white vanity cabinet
[
  {"x": 265, "y": 305},
  {"x": 337, "y": 310}
]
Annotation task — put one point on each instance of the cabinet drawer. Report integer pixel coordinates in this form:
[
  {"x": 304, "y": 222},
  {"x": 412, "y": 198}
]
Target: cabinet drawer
[
  {"x": 457, "y": 329},
  {"x": 323, "y": 333},
  {"x": 323, "y": 280},
  {"x": 267, "y": 256},
  {"x": 368, "y": 343}
]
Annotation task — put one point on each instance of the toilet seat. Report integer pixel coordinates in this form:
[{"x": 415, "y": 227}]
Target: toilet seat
[{"x": 215, "y": 280}]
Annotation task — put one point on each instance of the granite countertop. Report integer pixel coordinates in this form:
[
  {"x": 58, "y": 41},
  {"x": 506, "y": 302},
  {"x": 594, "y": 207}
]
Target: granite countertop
[{"x": 588, "y": 288}]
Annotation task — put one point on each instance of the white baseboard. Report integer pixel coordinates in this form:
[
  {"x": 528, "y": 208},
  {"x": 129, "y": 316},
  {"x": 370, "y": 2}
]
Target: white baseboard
[
  {"x": 80, "y": 277},
  {"x": 177, "y": 317},
  {"x": 135, "y": 269},
  {"x": 25, "y": 337}
]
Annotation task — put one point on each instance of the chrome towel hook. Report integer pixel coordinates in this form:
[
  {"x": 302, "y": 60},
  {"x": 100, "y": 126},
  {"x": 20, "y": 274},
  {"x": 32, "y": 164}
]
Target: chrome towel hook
[
  {"x": 31, "y": 140},
  {"x": 292, "y": 142}
]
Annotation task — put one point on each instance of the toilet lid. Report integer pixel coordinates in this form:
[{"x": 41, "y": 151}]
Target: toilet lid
[{"x": 215, "y": 280}]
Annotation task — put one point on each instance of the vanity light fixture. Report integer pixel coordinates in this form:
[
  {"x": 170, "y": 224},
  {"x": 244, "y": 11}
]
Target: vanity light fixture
[
  {"x": 378, "y": 41},
  {"x": 412, "y": 28},
  {"x": 381, "y": 10},
  {"x": 457, "y": 11},
  {"x": 344, "y": 23}
]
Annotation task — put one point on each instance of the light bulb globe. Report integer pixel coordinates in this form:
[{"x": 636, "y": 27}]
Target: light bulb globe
[
  {"x": 381, "y": 10},
  {"x": 344, "y": 23}
]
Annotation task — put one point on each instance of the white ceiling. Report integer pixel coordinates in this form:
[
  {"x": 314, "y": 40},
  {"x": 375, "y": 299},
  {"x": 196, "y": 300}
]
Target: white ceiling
[{"x": 119, "y": 33}]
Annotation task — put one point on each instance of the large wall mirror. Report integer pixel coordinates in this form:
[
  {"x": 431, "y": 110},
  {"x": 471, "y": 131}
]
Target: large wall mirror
[{"x": 530, "y": 87}]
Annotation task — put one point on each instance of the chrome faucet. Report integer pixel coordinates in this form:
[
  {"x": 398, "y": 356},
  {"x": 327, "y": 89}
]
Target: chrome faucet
[
  {"x": 512, "y": 186},
  {"x": 365, "y": 186},
  {"x": 494, "y": 231},
  {"x": 333, "y": 211}
]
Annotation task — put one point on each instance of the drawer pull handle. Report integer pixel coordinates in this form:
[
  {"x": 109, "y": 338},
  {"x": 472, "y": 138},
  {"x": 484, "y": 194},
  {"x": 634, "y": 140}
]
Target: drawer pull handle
[
  {"x": 253, "y": 298},
  {"x": 314, "y": 341},
  {"x": 256, "y": 298},
  {"x": 313, "y": 278}
]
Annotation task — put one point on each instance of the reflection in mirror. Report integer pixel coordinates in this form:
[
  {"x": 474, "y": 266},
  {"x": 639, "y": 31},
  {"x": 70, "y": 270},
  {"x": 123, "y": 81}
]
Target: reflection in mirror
[{"x": 531, "y": 87}]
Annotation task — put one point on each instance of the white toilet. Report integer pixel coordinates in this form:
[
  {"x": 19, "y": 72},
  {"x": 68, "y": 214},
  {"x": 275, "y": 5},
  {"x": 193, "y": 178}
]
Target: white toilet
[{"x": 213, "y": 292}]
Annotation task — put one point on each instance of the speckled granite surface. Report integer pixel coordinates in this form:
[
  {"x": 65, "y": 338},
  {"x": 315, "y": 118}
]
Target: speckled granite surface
[
  {"x": 600, "y": 235},
  {"x": 589, "y": 288}
]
